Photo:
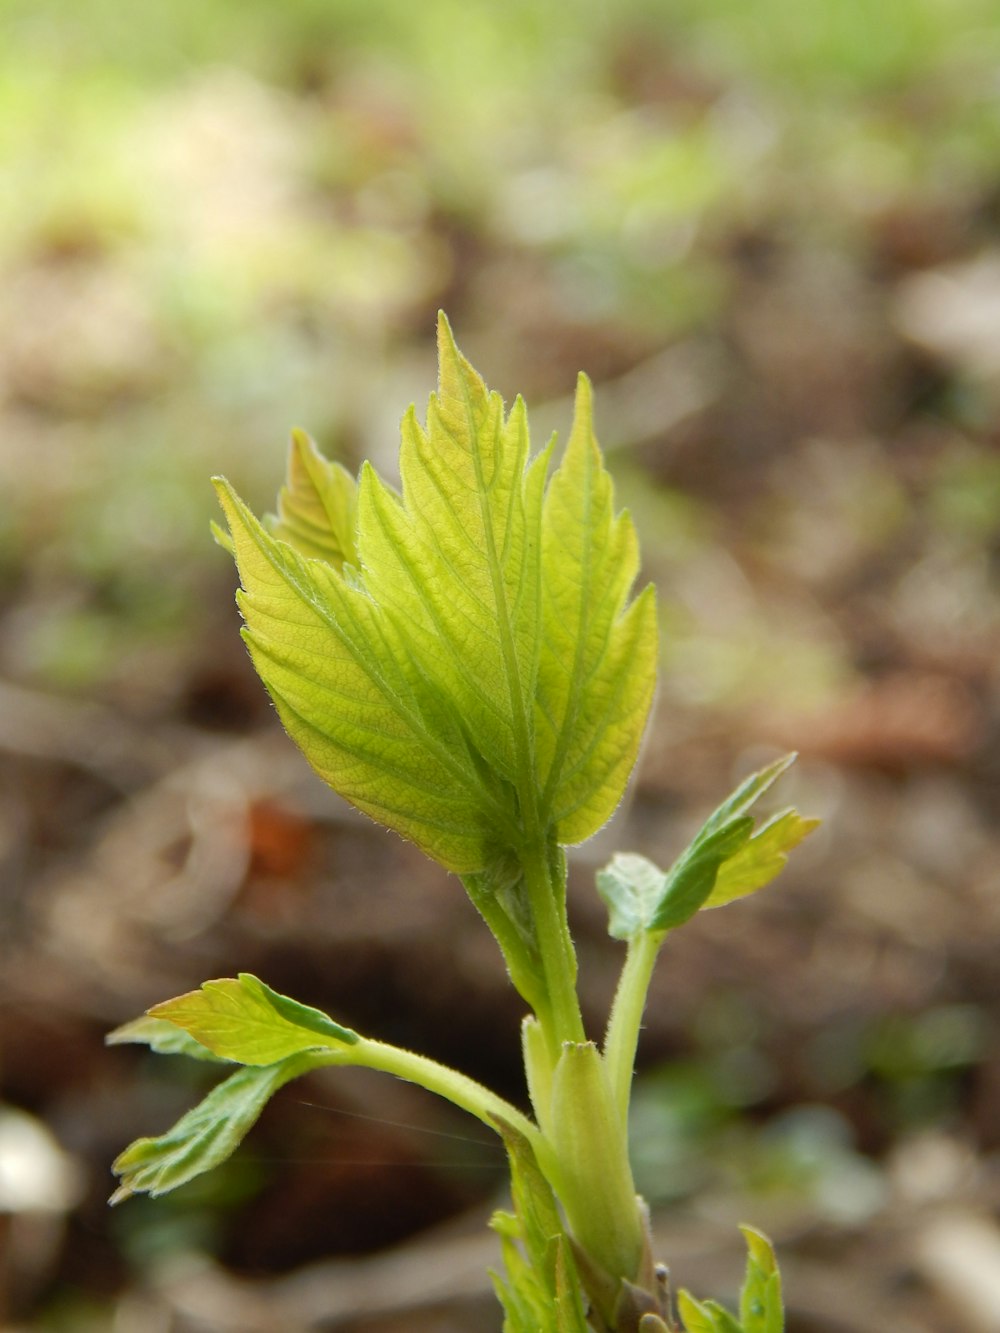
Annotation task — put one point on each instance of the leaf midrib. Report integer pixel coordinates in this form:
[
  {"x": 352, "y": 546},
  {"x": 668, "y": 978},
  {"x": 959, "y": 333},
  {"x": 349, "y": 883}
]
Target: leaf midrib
[{"x": 523, "y": 748}]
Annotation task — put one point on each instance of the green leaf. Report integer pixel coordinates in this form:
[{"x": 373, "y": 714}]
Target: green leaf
[
  {"x": 475, "y": 678},
  {"x": 499, "y": 894},
  {"x": 726, "y": 860},
  {"x": 239, "y": 1018},
  {"x": 640, "y": 897},
  {"x": 724, "y": 1321},
  {"x": 351, "y": 696},
  {"x": 205, "y": 1136},
  {"x": 705, "y": 1316},
  {"x": 761, "y": 859},
  {"x": 631, "y": 887},
  {"x": 697, "y": 1316},
  {"x": 535, "y": 1204},
  {"x": 160, "y": 1036},
  {"x": 542, "y": 1290},
  {"x": 454, "y": 561},
  {"x": 597, "y": 670},
  {"x": 748, "y": 793},
  {"x": 690, "y": 880},
  {"x": 761, "y": 1308},
  {"x": 317, "y": 506}
]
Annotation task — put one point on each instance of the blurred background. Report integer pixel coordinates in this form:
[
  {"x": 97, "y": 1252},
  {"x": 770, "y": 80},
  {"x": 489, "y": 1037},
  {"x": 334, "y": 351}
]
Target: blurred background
[{"x": 770, "y": 233}]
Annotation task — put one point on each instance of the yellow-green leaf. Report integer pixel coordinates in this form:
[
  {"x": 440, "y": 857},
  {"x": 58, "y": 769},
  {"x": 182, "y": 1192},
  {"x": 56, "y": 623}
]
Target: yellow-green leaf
[
  {"x": 353, "y": 698},
  {"x": 697, "y": 1319},
  {"x": 598, "y": 655},
  {"x": 761, "y": 859},
  {"x": 761, "y": 1306},
  {"x": 160, "y": 1036},
  {"x": 471, "y": 674},
  {"x": 240, "y": 1018},
  {"x": 454, "y": 561},
  {"x": 316, "y": 506}
]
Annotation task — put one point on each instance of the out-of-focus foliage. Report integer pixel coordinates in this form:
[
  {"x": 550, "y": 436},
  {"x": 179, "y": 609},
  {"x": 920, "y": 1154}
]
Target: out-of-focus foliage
[
  {"x": 770, "y": 234},
  {"x": 222, "y": 214}
]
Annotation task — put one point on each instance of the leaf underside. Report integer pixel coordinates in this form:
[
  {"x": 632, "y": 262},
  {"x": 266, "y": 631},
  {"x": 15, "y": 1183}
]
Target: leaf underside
[
  {"x": 161, "y": 1036},
  {"x": 236, "y": 1019},
  {"x": 469, "y": 671},
  {"x": 206, "y": 1136}
]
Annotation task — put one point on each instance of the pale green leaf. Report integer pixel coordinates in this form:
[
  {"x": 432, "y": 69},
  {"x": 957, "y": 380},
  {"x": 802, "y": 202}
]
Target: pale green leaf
[
  {"x": 316, "y": 506},
  {"x": 761, "y": 859},
  {"x": 631, "y": 887},
  {"x": 475, "y": 677},
  {"x": 160, "y": 1036},
  {"x": 205, "y": 1136},
  {"x": 240, "y": 1018},
  {"x": 641, "y": 897},
  {"x": 726, "y": 860},
  {"x": 597, "y": 669}
]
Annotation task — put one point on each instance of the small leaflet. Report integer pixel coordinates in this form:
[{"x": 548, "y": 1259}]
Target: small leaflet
[
  {"x": 242, "y": 1019},
  {"x": 728, "y": 859},
  {"x": 205, "y": 1136}
]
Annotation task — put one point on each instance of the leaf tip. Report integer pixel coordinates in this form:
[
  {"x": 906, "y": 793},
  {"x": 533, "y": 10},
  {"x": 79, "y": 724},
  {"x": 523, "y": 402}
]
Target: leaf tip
[
  {"x": 444, "y": 326},
  {"x": 582, "y": 442},
  {"x": 228, "y": 499},
  {"x": 446, "y": 344},
  {"x": 583, "y": 407},
  {"x": 756, "y": 1241}
]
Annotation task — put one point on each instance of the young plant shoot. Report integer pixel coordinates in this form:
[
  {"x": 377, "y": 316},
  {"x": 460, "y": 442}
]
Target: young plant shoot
[{"x": 465, "y": 661}]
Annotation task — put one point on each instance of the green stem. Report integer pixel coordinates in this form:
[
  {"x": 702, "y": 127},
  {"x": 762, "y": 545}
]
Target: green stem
[
  {"x": 524, "y": 968},
  {"x": 547, "y": 894},
  {"x": 456, "y": 1088},
  {"x": 622, "y": 1037}
]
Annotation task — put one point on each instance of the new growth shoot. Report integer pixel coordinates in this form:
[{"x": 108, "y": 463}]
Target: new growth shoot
[{"x": 465, "y": 661}]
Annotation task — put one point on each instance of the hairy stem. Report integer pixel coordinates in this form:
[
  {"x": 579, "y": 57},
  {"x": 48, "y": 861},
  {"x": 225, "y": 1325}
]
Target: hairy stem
[
  {"x": 456, "y": 1088},
  {"x": 622, "y": 1036},
  {"x": 546, "y": 885}
]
